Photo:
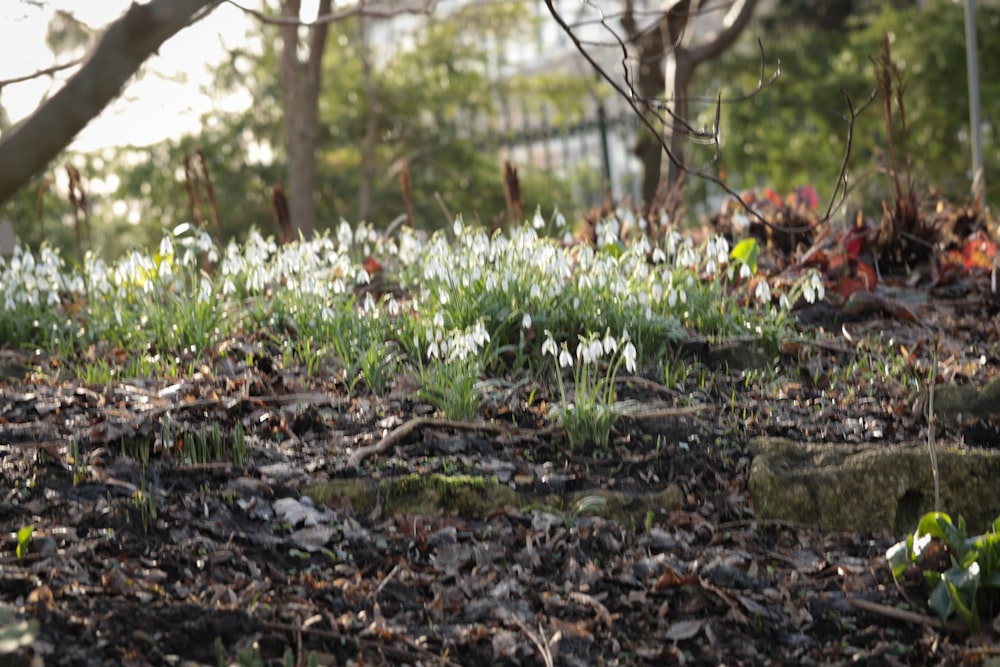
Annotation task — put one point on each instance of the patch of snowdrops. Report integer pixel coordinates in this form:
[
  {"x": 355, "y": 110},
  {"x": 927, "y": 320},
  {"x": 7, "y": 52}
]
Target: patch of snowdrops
[{"x": 459, "y": 301}]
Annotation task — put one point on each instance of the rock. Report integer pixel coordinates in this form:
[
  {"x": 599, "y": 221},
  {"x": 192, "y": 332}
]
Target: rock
[
  {"x": 952, "y": 402},
  {"x": 873, "y": 486}
]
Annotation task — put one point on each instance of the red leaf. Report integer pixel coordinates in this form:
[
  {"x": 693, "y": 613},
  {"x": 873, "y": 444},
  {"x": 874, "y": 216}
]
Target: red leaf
[{"x": 979, "y": 252}]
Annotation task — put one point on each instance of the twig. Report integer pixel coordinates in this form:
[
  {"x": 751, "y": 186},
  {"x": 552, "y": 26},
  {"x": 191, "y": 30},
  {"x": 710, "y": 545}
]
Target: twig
[
  {"x": 930, "y": 427},
  {"x": 906, "y": 616},
  {"x": 402, "y": 432},
  {"x": 539, "y": 640},
  {"x": 48, "y": 71},
  {"x": 359, "y": 9},
  {"x": 635, "y": 101}
]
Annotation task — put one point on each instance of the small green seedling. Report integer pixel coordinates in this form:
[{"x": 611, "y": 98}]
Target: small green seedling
[
  {"x": 24, "y": 540},
  {"x": 970, "y": 588}
]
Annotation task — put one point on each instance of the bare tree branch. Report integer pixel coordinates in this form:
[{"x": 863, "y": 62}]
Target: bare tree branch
[
  {"x": 48, "y": 71},
  {"x": 363, "y": 8},
  {"x": 652, "y": 118},
  {"x": 125, "y": 45},
  {"x": 634, "y": 102}
]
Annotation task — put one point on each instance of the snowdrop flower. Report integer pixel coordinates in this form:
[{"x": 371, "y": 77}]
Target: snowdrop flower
[
  {"x": 538, "y": 221},
  {"x": 344, "y": 235},
  {"x": 763, "y": 292},
  {"x": 629, "y": 355},
  {"x": 610, "y": 344},
  {"x": 166, "y": 247},
  {"x": 549, "y": 346},
  {"x": 784, "y": 302},
  {"x": 658, "y": 255},
  {"x": 480, "y": 335},
  {"x": 526, "y": 321},
  {"x": 457, "y": 227},
  {"x": 745, "y": 272},
  {"x": 393, "y": 307},
  {"x": 560, "y": 220},
  {"x": 565, "y": 359}
]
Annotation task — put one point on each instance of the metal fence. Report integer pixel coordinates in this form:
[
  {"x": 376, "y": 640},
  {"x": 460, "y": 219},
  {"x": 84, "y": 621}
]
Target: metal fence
[{"x": 591, "y": 152}]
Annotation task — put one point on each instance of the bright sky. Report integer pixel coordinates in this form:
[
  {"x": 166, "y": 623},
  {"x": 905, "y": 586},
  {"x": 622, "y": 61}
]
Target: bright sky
[{"x": 165, "y": 102}]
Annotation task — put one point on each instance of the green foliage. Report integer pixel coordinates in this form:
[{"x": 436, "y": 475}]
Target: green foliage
[
  {"x": 970, "y": 588},
  {"x": 793, "y": 132},
  {"x": 24, "y": 540}
]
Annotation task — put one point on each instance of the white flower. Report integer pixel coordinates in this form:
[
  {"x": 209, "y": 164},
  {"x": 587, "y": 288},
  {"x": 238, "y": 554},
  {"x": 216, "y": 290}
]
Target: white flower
[
  {"x": 610, "y": 344},
  {"x": 166, "y": 247},
  {"x": 393, "y": 307},
  {"x": 549, "y": 346},
  {"x": 480, "y": 335},
  {"x": 560, "y": 220},
  {"x": 658, "y": 255},
  {"x": 526, "y": 321},
  {"x": 763, "y": 292},
  {"x": 629, "y": 354},
  {"x": 565, "y": 359},
  {"x": 784, "y": 302},
  {"x": 538, "y": 221},
  {"x": 457, "y": 227},
  {"x": 745, "y": 272}
]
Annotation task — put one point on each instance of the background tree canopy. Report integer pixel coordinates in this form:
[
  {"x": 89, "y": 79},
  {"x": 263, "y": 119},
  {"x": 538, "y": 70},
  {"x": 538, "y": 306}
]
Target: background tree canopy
[
  {"x": 792, "y": 135},
  {"x": 437, "y": 98},
  {"x": 437, "y": 101}
]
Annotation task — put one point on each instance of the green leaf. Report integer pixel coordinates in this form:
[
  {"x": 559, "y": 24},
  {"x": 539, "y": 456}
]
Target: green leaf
[
  {"x": 931, "y": 524},
  {"x": 746, "y": 251},
  {"x": 23, "y": 538}
]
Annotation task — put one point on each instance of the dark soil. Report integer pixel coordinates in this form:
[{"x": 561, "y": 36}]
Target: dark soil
[{"x": 215, "y": 574}]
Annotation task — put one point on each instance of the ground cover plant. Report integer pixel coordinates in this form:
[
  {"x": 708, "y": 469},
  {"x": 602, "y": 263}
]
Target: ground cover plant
[{"x": 519, "y": 448}]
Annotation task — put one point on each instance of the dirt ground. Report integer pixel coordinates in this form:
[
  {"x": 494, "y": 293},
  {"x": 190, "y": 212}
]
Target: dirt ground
[{"x": 164, "y": 562}]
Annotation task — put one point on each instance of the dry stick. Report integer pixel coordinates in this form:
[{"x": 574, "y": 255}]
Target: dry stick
[
  {"x": 930, "y": 428},
  {"x": 444, "y": 207},
  {"x": 402, "y": 432},
  {"x": 406, "y": 187},
  {"x": 906, "y": 616},
  {"x": 210, "y": 196}
]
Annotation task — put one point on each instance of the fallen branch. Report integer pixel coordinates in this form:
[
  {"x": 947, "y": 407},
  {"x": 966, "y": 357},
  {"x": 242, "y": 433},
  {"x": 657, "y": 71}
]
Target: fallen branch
[
  {"x": 402, "y": 432},
  {"x": 906, "y": 616}
]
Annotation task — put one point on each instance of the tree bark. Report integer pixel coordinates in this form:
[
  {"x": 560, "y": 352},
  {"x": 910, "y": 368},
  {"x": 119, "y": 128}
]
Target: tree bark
[
  {"x": 368, "y": 147},
  {"x": 300, "y": 87},
  {"x": 670, "y": 39},
  {"x": 125, "y": 45},
  {"x": 686, "y": 58}
]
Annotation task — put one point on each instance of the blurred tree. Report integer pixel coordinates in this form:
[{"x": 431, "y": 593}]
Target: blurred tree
[
  {"x": 123, "y": 47},
  {"x": 668, "y": 50},
  {"x": 795, "y": 135}
]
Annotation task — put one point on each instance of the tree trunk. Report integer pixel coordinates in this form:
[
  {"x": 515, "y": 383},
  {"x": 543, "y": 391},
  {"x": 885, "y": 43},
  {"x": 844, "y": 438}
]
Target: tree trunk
[
  {"x": 300, "y": 88},
  {"x": 671, "y": 39},
  {"x": 651, "y": 45},
  {"x": 367, "y": 176},
  {"x": 125, "y": 45}
]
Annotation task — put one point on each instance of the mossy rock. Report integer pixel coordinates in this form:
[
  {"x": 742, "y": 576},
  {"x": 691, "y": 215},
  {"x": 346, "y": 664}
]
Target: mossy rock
[
  {"x": 871, "y": 487},
  {"x": 475, "y": 496}
]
